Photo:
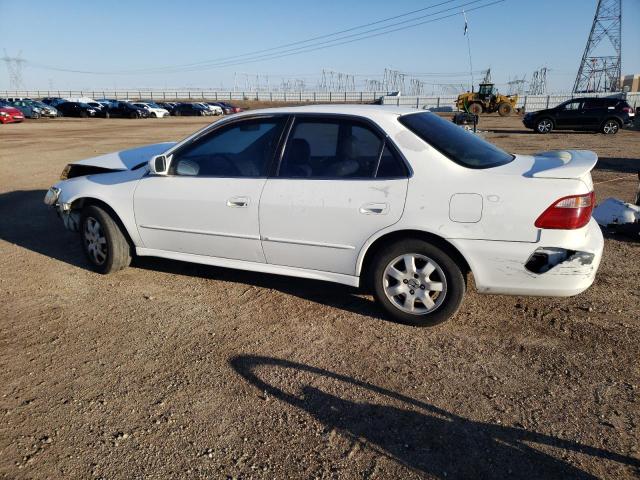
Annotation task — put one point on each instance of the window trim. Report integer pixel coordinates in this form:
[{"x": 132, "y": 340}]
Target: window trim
[
  {"x": 210, "y": 130},
  {"x": 377, "y": 130}
]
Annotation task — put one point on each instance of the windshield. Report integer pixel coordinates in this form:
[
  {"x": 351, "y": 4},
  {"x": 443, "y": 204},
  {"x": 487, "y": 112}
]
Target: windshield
[{"x": 459, "y": 145}]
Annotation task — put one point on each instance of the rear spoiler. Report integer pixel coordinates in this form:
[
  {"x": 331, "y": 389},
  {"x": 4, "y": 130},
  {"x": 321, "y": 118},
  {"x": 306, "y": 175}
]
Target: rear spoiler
[{"x": 563, "y": 164}]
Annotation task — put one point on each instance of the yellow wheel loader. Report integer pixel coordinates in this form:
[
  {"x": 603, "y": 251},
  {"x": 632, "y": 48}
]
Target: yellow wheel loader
[{"x": 487, "y": 100}]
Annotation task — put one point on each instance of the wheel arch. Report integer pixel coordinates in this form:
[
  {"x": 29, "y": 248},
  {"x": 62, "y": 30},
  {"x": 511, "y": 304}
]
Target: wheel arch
[
  {"x": 375, "y": 244},
  {"x": 81, "y": 202},
  {"x": 614, "y": 118}
]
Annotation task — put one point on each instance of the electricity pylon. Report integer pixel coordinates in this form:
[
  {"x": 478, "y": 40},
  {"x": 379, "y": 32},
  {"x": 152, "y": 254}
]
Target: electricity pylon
[{"x": 601, "y": 64}]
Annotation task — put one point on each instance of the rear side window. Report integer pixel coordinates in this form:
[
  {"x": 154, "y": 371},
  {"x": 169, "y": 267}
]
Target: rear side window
[
  {"x": 594, "y": 103},
  {"x": 334, "y": 148},
  {"x": 459, "y": 145}
]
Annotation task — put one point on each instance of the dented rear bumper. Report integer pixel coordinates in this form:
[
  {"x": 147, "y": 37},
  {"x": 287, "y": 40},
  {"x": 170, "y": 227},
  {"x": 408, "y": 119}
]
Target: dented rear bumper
[{"x": 561, "y": 264}]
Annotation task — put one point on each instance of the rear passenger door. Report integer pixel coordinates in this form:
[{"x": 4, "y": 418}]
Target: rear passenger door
[
  {"x": 339, "y": 181},
  {"x": 593, "y": 110}
]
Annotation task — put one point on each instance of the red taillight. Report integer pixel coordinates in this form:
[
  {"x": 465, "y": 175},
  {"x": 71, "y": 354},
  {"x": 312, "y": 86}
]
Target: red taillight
[
  {"x": 568, "y": 213},
  {"x": 627, "y": 109}
]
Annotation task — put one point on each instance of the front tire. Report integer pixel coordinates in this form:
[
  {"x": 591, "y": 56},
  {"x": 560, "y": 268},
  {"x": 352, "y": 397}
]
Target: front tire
[
  {"x": 103, "y": 241},
  {"x": 610, "y": 127},
  {"x": 544, "y": 125},
  {"x": 417, "y": 283}
]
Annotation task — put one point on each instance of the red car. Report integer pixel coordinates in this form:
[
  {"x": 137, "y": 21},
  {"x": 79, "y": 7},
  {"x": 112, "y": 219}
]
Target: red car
[{"x": 9, "y": 114}]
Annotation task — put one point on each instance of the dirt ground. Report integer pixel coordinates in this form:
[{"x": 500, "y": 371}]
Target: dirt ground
[{"x": 171, "y": 370}]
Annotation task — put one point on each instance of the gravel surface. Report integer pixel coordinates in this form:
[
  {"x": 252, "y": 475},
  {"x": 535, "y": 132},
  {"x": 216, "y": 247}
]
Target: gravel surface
[{"x": 171, "y": 370}]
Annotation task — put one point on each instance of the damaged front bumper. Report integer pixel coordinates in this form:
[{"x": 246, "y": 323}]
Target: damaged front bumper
[
  {"x": 70, "y": 218},
  {"x": 561, "y": 264}
]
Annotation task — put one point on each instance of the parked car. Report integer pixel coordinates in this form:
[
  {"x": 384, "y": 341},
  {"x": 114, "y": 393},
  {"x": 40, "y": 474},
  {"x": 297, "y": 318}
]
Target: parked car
[
  {"x": 155, "y": 111},
  {"x": 45, "y": 110},
  {"x": 190, "y": 109},
  {"x": 28, "y": 108},
  {"x": 168, "y": 106},
  {"x": 215, "y": 109},
  {"x": 76, "y": 109},
  {"x": 231, "y": 108},
  {"x": 9, "y": 114},
  {"x": 399, "y": 200},
  {"x": 126, "y": 110},
  {"x": 53, "y": 101},
  {"x": 606, "y": 115}
]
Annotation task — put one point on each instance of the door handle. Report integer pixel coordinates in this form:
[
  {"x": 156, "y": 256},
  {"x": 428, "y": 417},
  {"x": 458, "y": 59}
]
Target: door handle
[
  {"x": 374, "y": 209},
  {"x": 238, "y": 202}
]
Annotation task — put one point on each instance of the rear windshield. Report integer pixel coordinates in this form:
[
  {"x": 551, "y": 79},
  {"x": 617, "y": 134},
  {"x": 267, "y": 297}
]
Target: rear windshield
[{"x": 459, "y": 145}]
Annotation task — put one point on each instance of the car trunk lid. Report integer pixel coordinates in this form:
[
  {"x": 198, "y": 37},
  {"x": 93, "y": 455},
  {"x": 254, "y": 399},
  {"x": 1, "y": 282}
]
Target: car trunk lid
[{"x": 559, "y": 164}]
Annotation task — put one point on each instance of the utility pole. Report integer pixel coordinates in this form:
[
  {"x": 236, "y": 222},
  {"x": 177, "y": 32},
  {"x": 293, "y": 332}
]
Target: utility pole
[
  {"x": 14, "y": 68},
  {"x": 600, "y": 68},
  {"x": 466, "y": 34}
]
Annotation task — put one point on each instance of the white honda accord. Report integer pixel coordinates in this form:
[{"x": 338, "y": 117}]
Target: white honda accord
[{"x": 397, "y": 200}]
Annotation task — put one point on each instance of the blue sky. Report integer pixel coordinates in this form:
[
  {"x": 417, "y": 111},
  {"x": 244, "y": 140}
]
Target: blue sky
[{"x": 513, "y": 38}]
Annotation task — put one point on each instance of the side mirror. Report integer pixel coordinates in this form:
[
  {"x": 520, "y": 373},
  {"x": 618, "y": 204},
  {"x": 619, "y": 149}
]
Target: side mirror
[{"x": 158, "y": 165}]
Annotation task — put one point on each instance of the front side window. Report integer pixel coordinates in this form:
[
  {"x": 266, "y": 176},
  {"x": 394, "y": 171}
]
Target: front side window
[
  {"x": 243, "y": 149},
  {"x": 327, "y": 148},
  {"x": 459, "y": 145}
]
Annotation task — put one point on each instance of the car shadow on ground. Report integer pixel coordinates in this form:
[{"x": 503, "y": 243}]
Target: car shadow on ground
[
  {"x": 532, "y": 132},
  {"x": 335, "y": 295},
  {"x": 30, "y": 224},
  {"x": 420, "y": 436},
  {"x": 619, "y": 164}
]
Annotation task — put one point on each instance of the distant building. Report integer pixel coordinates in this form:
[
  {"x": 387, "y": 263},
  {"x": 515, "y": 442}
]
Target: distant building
[{"x": 630, "y": 83}]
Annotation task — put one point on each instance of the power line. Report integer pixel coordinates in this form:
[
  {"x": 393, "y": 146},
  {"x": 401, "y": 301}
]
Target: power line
[
  {"x": 299, "y": 50},
  {"x": 322, "y": 45}
]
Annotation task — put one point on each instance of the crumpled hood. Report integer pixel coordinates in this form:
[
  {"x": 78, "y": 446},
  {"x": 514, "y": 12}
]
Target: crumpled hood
[{"x": 126, "y": 159}]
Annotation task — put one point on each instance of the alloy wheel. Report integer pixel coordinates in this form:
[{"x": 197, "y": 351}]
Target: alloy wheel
[
  {"x": 414, "y": 283},
  {"x": 545, "y": 126},
  {"x": 610, "y": 127}
]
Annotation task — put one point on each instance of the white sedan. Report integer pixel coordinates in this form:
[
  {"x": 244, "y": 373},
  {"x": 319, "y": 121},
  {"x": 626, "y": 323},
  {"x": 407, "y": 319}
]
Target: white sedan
[
  {"x": 214, "y": 109},
  {"x": 397, "y": 200},
  {"x": 155, "y": 111}
]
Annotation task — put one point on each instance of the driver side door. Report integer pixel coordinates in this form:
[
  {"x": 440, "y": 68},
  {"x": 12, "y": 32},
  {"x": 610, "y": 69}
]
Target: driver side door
[{"x": 208, "y": 203}]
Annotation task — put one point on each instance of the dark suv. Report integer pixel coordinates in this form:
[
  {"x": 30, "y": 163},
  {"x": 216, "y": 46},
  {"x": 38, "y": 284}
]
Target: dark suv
[
  {"x": 189, "y": 109},
  {"x": 606, "y": 115}
]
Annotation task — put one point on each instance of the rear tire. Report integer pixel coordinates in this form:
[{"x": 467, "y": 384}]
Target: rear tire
[
  {"x": 475, "y": 108},
  {"x": 544, "y": 125},
  {"x": 417, "y": 283},
  {"x": 103, "y": 242},
  {"x": 505, "y": 109},
  {"x": 610, "y": 127}
]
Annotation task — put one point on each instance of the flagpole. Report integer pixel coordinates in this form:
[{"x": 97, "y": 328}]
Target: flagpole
[{"x": 466, "y": 34}]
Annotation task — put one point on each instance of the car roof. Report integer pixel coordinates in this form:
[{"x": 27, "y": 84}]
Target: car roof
[{"x": 339, "y": 109}]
